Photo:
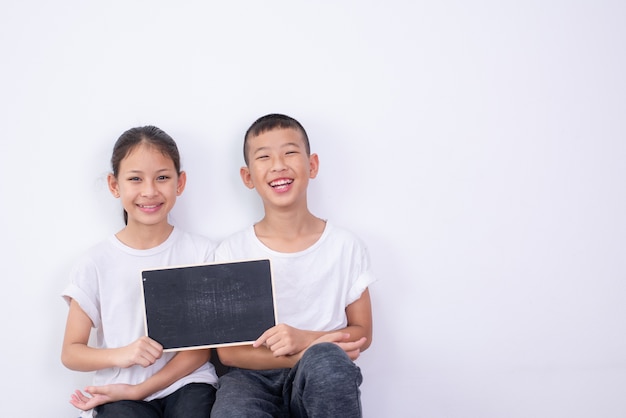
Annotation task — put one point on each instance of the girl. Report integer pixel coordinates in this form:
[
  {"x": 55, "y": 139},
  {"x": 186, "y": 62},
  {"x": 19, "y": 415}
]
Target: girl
[{"x": 133, "y": 376}]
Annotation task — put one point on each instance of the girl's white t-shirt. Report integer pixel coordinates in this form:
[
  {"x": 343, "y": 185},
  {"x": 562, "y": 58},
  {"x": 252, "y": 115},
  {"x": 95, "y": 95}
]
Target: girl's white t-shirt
[{"x": 106, "y": 283}]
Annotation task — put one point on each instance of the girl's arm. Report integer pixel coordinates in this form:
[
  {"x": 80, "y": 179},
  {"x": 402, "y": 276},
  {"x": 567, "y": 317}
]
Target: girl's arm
[
  {"x": 282, "y": 346},
  {"x": 77, "y": 355},
  {"x": 181, "y": 365}
]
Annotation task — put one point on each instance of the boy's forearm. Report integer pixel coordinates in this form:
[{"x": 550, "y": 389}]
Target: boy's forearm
[
  {"x": 357, "y": 332},
  {"x": 248, "y": 357},
  {"x": 262, "y": 358}
]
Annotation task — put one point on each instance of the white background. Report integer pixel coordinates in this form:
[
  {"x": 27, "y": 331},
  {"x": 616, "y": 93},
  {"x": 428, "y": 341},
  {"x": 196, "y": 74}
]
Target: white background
[{"x": 478, "y": 147}]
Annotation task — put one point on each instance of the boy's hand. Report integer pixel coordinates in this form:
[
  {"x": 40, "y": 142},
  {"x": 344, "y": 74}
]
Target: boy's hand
[
  {"x": 283, "y": 340},
  {"x": 99, "y": 395},
  {"x": 342, "y": 339},
  {"x": 143, "y": 352}
]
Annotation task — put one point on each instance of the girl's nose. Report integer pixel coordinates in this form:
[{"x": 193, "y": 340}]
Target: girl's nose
[{"x": 148, "y": 189}]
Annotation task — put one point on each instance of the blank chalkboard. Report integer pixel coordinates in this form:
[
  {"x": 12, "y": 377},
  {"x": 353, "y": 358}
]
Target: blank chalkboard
[{"x": 208, "y": 305}]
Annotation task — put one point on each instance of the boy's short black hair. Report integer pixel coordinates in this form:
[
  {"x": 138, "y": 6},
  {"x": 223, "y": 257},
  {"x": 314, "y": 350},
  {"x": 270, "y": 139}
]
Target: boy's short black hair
[{"x": 271, "y": 122}]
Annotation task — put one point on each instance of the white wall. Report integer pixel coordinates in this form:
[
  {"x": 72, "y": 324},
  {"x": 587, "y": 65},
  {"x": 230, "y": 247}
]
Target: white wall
[{"x": 479, "y": 148}]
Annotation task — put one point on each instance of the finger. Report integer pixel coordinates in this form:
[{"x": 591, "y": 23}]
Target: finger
[
  {"x": 80, "y": 396},
  {"x": 156, "y": 347},
  {"x": 77, "y": 404},
  {"x": 352, "y": 345},
  {"x": 75, "y": 399},
  {"x": 154, "y": 343},
  {"x": 263, "y": 338},
  {"x": 95, "y": 390},
  {"x": 281, "y": 351},
  {"x": 358, "y": 343},
  {"x": 273, "y": 340},
  {"x": 276, "y": 346},
  {"x": 78, "y": 400},
  {"x": 146, "y": 360},
  {"x": 148, "y": 345},
  {"x": 354, "y": 354}
]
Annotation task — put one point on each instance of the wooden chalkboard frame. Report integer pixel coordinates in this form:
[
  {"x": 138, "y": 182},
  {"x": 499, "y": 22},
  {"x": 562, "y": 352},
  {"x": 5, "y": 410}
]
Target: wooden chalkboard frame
[{"x": 208, "y": 305}]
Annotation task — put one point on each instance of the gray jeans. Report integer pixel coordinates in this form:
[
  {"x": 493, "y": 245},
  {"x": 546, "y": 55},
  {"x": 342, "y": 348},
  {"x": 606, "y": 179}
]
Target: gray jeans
[{"x": 324, "y": 383}]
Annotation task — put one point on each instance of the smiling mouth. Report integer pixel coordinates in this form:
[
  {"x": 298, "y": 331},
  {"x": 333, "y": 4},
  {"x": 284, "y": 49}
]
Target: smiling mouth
[
  {"x": 150, "y": 206},
  {"x": 281, "y": 183}
]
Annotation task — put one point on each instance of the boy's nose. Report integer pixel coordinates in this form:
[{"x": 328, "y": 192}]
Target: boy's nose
[{"x": 278, "y": 164}]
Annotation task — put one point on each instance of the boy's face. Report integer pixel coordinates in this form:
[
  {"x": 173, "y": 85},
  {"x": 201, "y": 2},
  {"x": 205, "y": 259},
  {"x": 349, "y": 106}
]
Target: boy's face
[{"x": 279, "y": 167}]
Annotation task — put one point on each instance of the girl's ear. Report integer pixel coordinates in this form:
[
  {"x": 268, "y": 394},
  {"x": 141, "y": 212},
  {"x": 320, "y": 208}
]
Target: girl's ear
[
  {"x": 244, "y": 172},
  {"x": 182, "y": 181},
  {"x": 314, "y": 165},
  {"x": 114, "y": 186}
]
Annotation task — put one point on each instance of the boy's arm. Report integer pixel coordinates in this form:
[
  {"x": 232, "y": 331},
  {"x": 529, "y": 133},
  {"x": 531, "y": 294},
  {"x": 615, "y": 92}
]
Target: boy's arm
[
  {"x": 249, "y": 357},
  {"x": 359, "y": 314},
  {"x": 282, "y": 346}
]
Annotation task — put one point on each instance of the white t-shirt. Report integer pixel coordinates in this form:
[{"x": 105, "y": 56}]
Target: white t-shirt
[
  {"x": 106, "y": 283},
  {"x": 312, "y": 287}
]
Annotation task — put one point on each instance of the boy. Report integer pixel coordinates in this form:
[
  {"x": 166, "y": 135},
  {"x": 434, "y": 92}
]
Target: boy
[{"x": 303, "y": 366}]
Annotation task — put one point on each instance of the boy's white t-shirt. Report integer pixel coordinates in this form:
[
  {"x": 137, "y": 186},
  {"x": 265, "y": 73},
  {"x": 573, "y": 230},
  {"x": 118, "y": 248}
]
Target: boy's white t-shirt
[
  {"x": 312, "y": 287},
  {"x": 106, "y": 283}
]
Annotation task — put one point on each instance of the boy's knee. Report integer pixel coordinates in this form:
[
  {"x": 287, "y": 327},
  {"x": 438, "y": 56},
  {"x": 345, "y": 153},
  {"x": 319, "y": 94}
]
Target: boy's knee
[
  {"x": 323, "y": 350},
  {"x": 327, "y": 378},
  {"x": 327, "y": 360}
]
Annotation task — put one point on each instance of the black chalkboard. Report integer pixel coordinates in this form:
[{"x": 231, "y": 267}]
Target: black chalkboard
[{"x": 208, "y": 305}]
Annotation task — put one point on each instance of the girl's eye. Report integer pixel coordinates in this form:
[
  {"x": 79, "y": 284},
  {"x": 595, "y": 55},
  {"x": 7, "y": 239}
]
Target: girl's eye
[
  {"x": 162, "y": 178},
  {"x": 134, "y": 179}
]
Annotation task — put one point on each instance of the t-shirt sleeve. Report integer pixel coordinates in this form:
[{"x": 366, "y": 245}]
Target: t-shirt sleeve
[
  {"x": 364, "y": 276},
  {"x": 362, "y": 283},
  {"x": 83, "y": 289}
]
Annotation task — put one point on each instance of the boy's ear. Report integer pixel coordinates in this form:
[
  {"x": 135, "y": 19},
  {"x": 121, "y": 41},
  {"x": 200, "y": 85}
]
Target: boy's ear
[
  {"x": 182, "y": 181},
  {"x": 244, "y": 172},
  {"x": 114, "y": 186},
  {"x": 314, "y": 165}
]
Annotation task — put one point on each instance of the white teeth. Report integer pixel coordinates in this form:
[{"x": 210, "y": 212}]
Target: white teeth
[
  {"x": 148, "y": 207},
  {"x": 280, "y": 182}
]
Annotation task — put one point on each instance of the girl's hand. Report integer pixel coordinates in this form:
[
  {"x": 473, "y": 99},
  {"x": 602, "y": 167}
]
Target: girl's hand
[
  {"x": 143, "y": 352},
  {"x": 98, "y": 395},
  {"x": 284, "y": 340}
]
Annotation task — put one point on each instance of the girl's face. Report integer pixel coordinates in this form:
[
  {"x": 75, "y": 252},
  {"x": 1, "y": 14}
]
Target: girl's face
[
  {"x": 279, "y": 167},
  {"x": 148, "y": 184}
]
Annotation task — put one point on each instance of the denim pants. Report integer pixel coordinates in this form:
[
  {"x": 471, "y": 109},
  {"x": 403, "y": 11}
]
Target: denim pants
[
  {"x": 194, "y": 400},
  {"x": 323, "y": 384}
]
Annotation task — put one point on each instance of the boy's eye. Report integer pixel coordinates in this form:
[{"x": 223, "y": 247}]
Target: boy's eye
[{"x": 262, "y": 157}]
